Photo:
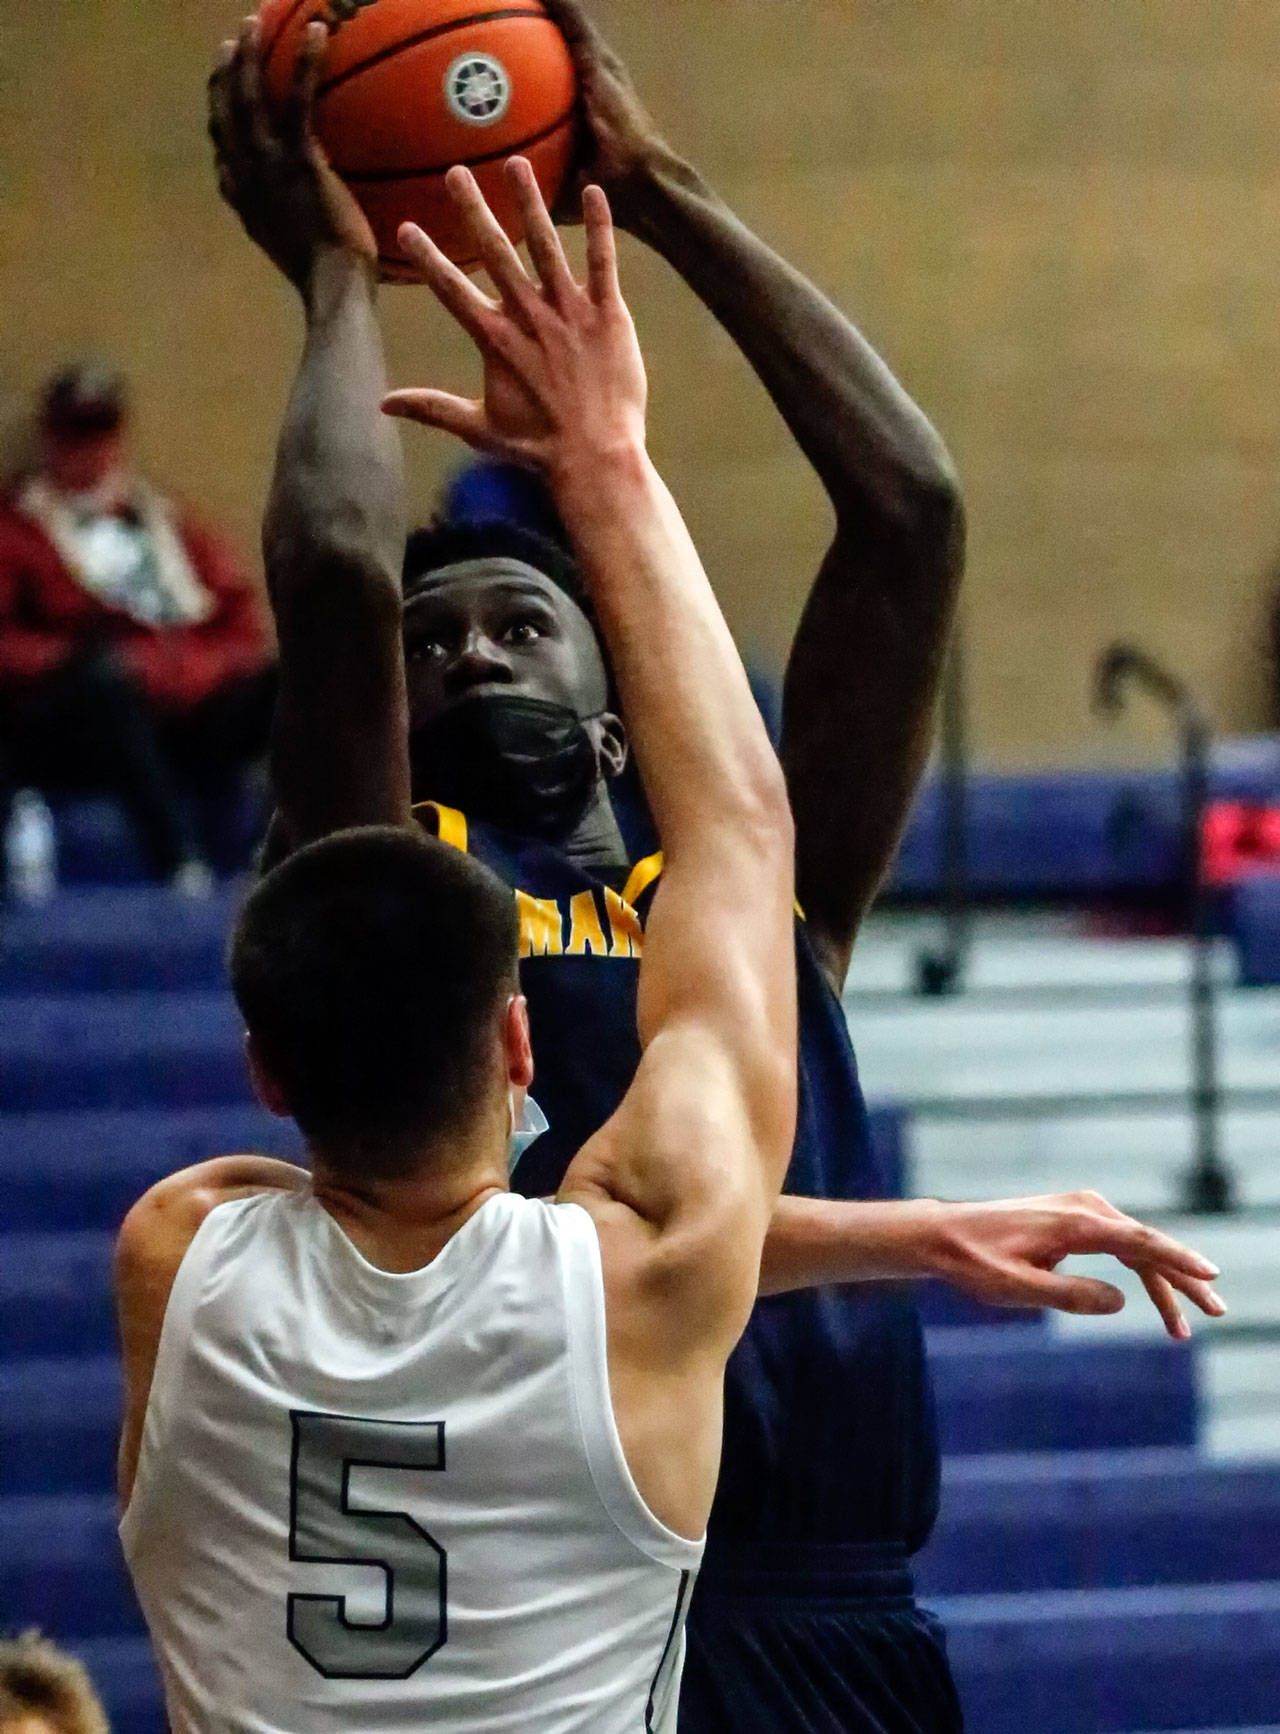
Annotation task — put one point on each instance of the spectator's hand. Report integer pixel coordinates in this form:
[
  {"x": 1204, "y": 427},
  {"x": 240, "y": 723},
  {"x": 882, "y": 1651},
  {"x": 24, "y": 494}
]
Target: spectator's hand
[
  {"x": 564, "y": 378},
  {"x": 620, "y": 139},
  {"x": 1007, "y": 1254},
  {"x": 272, "y": 170}
]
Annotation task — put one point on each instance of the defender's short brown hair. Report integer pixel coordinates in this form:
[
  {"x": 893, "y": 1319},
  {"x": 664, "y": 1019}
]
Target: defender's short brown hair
[
  {"x": 38, "y": 1679},
  {"x": 370, "y": 968}
]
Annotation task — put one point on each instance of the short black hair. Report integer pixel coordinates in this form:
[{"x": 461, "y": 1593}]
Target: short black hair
[
  {"x": 435, "y": 546},
  {"x": 369, "y": 968}
]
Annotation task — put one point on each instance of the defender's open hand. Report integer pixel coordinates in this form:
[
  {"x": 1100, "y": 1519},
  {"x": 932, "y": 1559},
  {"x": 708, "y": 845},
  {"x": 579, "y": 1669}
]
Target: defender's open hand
[
  {"x": 1008, "y": 1253},
  {"x": 272, "y": 172},
  {"x": 564, "y": 377}
]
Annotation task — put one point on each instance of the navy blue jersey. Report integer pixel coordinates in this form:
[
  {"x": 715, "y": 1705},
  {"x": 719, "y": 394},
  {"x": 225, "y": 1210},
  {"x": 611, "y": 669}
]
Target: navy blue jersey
[{"x": 829, "y": 1427}]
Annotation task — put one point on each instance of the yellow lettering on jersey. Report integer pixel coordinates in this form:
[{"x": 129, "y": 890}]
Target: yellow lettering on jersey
[
  {"x": 624, "y": 924},
  {"x": 585, "y": 933},
  {"x": 541, "y": 928},
  {"x": 642, "y": 877}
]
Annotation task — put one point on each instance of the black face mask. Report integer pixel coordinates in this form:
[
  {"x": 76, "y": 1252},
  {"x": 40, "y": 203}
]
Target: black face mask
[{"x": 523, "y": 764}]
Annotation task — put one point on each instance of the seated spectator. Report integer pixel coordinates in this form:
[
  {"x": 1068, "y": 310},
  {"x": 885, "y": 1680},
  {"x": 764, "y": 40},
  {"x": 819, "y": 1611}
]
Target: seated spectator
[
  {"x": 134, "y": 657},
  {"x": 45, "y": 1691}
]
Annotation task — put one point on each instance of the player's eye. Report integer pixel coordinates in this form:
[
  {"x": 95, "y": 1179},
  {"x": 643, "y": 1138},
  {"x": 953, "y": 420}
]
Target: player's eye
[
  {"x": 522, "y": 632},
  {"x": 425, "y": 648}
]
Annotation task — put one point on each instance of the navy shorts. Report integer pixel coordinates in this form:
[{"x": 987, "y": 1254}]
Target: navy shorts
[{"x": 816, "y": 1641}]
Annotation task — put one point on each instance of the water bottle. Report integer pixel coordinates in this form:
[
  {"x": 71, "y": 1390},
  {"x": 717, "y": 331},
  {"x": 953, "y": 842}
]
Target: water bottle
[{"x": 30, "y": 849}]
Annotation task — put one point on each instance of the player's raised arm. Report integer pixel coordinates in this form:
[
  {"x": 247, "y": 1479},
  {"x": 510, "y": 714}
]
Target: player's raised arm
[
  {"x": 864, "y": 671},
  {"x": 333, "y": 538},
  {"x": 682, "y": 1180}
]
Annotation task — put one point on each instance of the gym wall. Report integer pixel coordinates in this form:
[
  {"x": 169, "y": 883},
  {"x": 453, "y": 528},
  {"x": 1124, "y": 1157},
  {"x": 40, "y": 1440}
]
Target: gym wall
[{"x": 1061, "y": 223}]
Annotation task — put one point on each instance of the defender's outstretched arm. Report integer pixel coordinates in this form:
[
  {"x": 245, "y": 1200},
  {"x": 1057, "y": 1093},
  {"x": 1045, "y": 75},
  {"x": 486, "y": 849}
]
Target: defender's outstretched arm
[
  {"x": 866, "y": 664},
  {"x": 681, "y": 1181},
  {"x": 333, "y": 537}
]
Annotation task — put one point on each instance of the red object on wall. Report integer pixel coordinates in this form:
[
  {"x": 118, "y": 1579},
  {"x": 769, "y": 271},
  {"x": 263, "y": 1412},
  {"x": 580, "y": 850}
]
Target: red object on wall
[{"x": 1239, "y": 838}]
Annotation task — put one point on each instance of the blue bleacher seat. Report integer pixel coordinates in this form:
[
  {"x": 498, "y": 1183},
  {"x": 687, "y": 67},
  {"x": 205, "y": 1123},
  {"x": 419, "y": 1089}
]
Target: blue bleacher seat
[
  {"x": 61, "y": 1568},
  {"x": 126, "y": 940},
  {"x": 82, "y": 1170},
  {"x": 1107, "y": 1661},
  {"x": 120, "y": 1051},
  {"x": 126, "y": 1676},
  {"x": 1079, "y": 1519},
  {"x": 1254, "y": 925},
  {"x": 1012, "y": 1390}
]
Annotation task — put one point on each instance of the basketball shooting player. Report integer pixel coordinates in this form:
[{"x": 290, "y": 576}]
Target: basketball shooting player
[
  {"x": 804, "y": 1616},
  {"x": 403, "y": 1450}
]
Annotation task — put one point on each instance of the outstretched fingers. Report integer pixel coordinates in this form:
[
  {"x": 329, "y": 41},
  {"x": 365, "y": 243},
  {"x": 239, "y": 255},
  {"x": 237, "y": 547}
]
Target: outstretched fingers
[
  {"x": 1165, "y": 1301},
  {"x": 1071, "y": 1294},
  {"x": 495, "y": 250},
  {"x": 460, "y": 416},
  {"x": 1135, "y": 1244},
  {"x": 540, "y": 233},
  {"x": 455, "y": 291},
  {"x": 602, "y": 247}
]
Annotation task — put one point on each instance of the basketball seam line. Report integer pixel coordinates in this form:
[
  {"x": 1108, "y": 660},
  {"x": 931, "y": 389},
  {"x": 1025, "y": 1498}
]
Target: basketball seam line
[
  {"x": 365, "y": 177},
  {"x": 350, "y": 72}
]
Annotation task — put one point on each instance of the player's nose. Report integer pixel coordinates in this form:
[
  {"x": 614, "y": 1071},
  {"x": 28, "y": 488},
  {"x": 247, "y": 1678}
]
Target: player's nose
[{"x": 478, "y": 663}]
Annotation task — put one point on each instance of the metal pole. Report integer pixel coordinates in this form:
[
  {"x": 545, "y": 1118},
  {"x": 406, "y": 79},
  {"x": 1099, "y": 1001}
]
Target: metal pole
[
  {"x": 942, "y": 971},
  {"x": 1207, "y": 1185}
]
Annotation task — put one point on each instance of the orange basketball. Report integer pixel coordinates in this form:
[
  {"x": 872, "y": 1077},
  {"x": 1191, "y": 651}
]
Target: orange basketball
[{"x": 411, "y": 87}]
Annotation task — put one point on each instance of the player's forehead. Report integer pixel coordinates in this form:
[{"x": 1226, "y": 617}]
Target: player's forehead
[{"x": 483, "y": 581}]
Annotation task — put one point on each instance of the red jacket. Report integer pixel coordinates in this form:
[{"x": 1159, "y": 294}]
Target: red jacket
[{"x": 46, "y": 616}]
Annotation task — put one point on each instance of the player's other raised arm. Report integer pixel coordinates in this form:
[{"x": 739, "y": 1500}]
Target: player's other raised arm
[
  {"x": 333, "y": 537},
  {"x": 694, "y": 1157}
]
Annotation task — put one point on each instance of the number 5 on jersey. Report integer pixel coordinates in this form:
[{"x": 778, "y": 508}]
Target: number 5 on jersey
[{"x": 327, "y": 1527}]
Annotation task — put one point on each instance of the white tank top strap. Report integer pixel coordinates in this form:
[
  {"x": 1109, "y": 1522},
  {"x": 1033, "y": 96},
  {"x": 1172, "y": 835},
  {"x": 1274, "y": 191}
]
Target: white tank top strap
[{"x": 584, "y": 1304}]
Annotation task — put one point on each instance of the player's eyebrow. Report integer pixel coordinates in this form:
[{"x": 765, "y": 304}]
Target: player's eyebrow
[{"x": 511, "y": 589}]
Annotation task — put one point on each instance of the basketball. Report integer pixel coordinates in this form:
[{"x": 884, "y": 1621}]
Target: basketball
[{"x": 411, "y": 87}]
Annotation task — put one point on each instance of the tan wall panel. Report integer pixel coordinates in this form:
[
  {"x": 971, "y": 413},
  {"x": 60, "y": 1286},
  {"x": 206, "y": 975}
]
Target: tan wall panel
[{"x": 1061, "y": 221}]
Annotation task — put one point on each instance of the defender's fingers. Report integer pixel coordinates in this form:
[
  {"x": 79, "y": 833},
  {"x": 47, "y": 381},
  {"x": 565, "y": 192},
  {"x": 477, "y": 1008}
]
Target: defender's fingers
[
  {"x": 1165, "y": 1301},
  {"x": 295, "y": 122},
  {"x": 493, "y": 244},
  {"x": 460, "y": 416},
  {"x": 1201, "y": 1294},
  {"x": 1072, "y": 1294},
  {"x": 540, "y": 233},
  {"x": 1133, "y": 1242},
  {"x": 602, "y": 247},
  {"x": 453, "y": 288}
]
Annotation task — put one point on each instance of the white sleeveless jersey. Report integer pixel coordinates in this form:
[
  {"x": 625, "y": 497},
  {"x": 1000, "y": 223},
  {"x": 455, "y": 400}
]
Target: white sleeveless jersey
[{"x": 382, "y": 1504}]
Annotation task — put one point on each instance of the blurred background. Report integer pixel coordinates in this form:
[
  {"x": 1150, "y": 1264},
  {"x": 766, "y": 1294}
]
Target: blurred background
[{"x": 1060, "y": 223}]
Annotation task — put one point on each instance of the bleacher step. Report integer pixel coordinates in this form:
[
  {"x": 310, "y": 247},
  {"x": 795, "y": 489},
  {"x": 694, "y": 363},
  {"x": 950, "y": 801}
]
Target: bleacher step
[
  {"x": 120, "y": 1051},
  {"x": 125, "y": 1674},
  {"x": 1011, "y": 1390},
  {"x": 1104, "y": 1661},
  {"x": 116, "y": 940},
  {"x": 1078, "y": 1520}
]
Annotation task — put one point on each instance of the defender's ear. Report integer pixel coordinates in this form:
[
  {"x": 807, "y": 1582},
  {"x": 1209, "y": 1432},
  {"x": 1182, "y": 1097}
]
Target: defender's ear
[
  {"x": 265, "y": 1087},
  {"x": 518, "y": 1043}
]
